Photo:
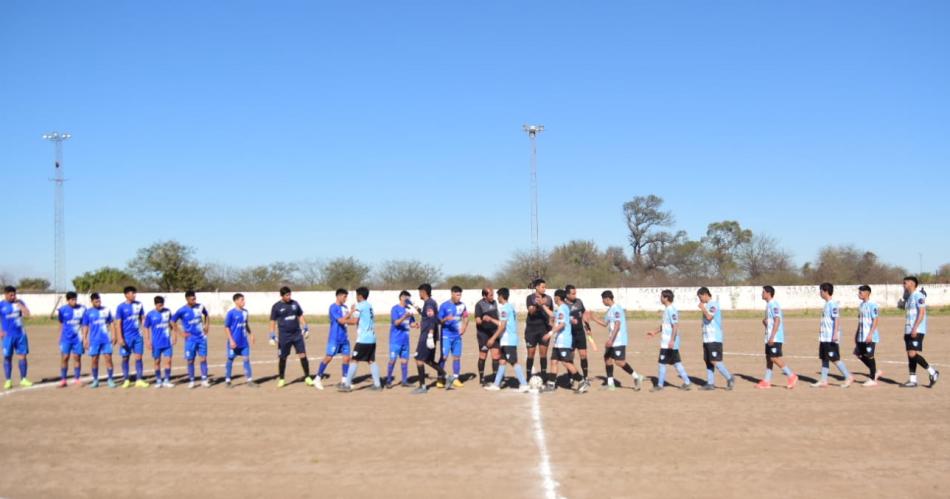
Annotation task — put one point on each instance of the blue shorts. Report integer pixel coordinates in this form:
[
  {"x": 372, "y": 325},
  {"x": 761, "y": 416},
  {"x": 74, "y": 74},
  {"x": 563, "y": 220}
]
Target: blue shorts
[
  {"x": 451, "y": 345},
  {"x": 19, "y": 345},
  {"x": 244, "y": 351},
  {"x": 196, "y": 347},
  {"x": 399, "y": 349},
  {"x": 100, "y": 348},
  {"x": 338, "y": 348},
  {"x": 136, "y": 345},
  {"x": 158, "y": 353},
  {"x": 73, "y": 346}
]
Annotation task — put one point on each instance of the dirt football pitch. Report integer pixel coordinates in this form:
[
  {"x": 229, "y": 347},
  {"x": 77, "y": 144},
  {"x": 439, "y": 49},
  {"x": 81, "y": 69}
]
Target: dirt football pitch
[{"x": 886, "y": 441}]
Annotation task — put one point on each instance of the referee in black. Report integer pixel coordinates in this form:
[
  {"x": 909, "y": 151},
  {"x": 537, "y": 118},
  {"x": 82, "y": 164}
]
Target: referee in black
[
  {"x": 286, "y": 317},
  {"x": 485, "y": 329}
]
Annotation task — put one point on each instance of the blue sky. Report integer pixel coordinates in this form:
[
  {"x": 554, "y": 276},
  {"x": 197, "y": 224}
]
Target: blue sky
[{"x": 262, "y": 131}]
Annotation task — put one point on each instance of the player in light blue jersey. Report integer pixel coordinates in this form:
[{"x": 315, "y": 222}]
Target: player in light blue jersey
[
  {"x": 506, "y": 334},
  {"x": 338, "y": 343},
  {"x": 774, "y": 324},
  {"x": 562, "y": 336},
  {"x": 70, "y": 339},
  {"x": 454, "y": 318},
  {"x": 915, "y": 328},
  {"x": 712, "y": 340},
  {"x": 401, "y": 320},
  {"x": 160, "y": 339},
  {"x": 365, "y": 348},
  {"x": 829, "y": 338},
  {"x": 12, "y": 312},
  {"x": 615, "y": 348},
  {"x": 97, "y": 339},
  {"x": 240, "y": 339},
  {"x": 867, "y": 335},
  {"x": 128, "y": 324},
  {"x": 669, "y": 332},
  {"x": 194, "y": 326}
]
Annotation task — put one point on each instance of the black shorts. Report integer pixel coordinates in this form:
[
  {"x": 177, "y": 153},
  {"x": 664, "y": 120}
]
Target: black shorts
[
  {"x": 773, "y": 351},
  {"x": 579, "y": 339},
  {"x": 618, "y": 352},
  {"x": 712, "y": 352},
  {"x": 510, "y": 354},
  {"x": 563, "y": 354},
  {"x": 535, "y": 336},
  {"x": 829, "y": 350},
  {"x": 914, "y": 344},
  {"x": 669, "y": 356},
  {"x": 424, "y": 353},
  {"x": 865, "y": 350},
  {"x": 483, "y": 342},
  {"x": 364, "y": 352},
  {"x": 295, "y": 340}
]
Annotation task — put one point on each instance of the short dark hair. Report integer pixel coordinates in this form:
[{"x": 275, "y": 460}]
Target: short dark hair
[
  {"x": 827, "y": 287},
  {"x": 864, "y": 287},
  {"x": 537, "y": 282},
  {"x": 71, "y": 295},
  {"x": 456, "y": 289},
  {"x": 404, "y": 293},
  {"x": 427, "y": 288},
  {"x": 485, "y": 292},
  {"x": 159, "y": 300},
  {"x": 94, "y": 296},
  {"x": 236, "y": 296},
  {"x": 504, "y": 293},
  {"x": 607, "y": 294},
  {"x": 560, "y": 294},
  {"x": 703, "y": 291},
  {"x": 190, "y": 293},
  {"x": 342, "y": 291},
  {"x": 770, "y": 290},
  {"x": 9, "y": 289},
  {"x": 284, "y": 290},
  {"x": 569, "y": 288},
  {"x": 668, "y": 294},
  {"x": 362, "y": 291},
  {"x": 913, "y": 279},
  {"x": 129, "y": 289}
]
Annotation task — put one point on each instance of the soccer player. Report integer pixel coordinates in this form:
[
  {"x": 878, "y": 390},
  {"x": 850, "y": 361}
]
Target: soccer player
[
  {"x": 195, "y": 324},
  {"x": 506, "y": 333},
  {"x": 915, "y": 328},
  {"x": 365, "y": 348},
  {"x": 669, "y": 332},
  {"x": 712, "y": 340},
  {"x": 70, "y": 339},
  {"x": 15, "y": 341},
  {"x": 338, "y": 343},
  {"x": 867, "y": 335},
  {"x": 401, "y": 320},
  {"x": 96, "y": 339},
  {"x": 829, "y": 338},
  {"x": 428, "y": 336},
  {"x": 451, "y": 313},
  {"x": 484, "y": 329},
  {"x": 615, "y": 349},
  {"x": 580, "y": 325},
  {"x": 129, "y": 316},
  {"x": 538, "y": 323},
  {"x": 286, "y": 317},
  {"x": 239, "y": 332},
  {"x": 160, "y": 340},
  {"x": 563, "y": 344},
  {"x": 774, "y": 337}
]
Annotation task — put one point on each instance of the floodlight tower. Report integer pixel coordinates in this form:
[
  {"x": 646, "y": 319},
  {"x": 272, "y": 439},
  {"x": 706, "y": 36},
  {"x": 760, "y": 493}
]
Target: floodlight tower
[
  {"x": 59, "y": 221},
  {"x": 533, "y": 131}
]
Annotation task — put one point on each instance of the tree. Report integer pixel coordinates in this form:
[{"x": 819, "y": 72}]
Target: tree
[
  {"x": 103, "y": 280},
  {"x": 761, "y": 260},
  {"x": 266, "y": 277},
  {"x": 848, "y": 264},
  {"x": 643, "y": 215},
  {"x": 465, "y": 281},
  {"x": 345, "y": 272},
  {"x": 34, "y": 284},
  {"x": 521, "y": 268},
  {"x": 580, "y": 263},
  {"x": 310, "y": 274},
  {"x": 406, "y": 274},
  {"x": 723, "y": 240},
  {"x": 168, "y": 266}
]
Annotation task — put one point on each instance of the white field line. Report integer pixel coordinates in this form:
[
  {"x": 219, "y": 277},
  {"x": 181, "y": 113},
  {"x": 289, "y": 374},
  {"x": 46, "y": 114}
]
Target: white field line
[{"x": 544, "y": 465}]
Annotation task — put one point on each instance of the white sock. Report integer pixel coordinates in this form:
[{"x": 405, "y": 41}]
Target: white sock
[
  {"x": 913, "y": 378},
  {"x": 931, "y": 370},
  {"x": 610, "y": 381}
]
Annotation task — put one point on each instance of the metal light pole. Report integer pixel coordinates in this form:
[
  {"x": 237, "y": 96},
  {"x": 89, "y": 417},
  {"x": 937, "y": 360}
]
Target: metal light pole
[
  {"x": 59, "y": 251},
  {"x": 533, "y": 131}
]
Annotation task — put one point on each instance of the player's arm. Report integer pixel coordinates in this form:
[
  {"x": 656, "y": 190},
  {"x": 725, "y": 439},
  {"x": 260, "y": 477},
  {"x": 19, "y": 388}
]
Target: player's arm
[
  {"x": 24, "y": 310},
  {"x": 599, "y": 321},
  {"x": 273, "y": 327},
  {"x": 205, "y": 320},
  {"x": 404, "y": 318},
  {"x": 873, "y": 327},
  {"x": 705, "y": 311},
  {"x": 613, "y": 333},
  {"x": 227, "y": 329},
  {"x": 836, "y": 334},
  {"x": 148, "y": 336},
  {"x": 465, "y": 319},
  {"x": 676, "y": 332},
  {"x": 85, "y": 336}
]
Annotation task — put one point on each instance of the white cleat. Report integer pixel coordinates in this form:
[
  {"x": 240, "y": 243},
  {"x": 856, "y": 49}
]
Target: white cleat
[
  {"x": 524, "y": 389},
  {"x": 168, "y": 384},
  {"x": 205, "y": 383},
  {"x": 317, "y": 383},
  {"x": 191, "y": 384},
  {"x": 869, "y": 382},
  {"x": 492, "y": 388}
]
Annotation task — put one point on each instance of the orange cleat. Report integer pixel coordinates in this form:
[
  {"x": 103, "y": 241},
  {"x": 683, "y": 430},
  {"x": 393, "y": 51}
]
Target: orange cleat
[
  {"x": 763, "y": 385},
  {"x": 792, "y": 381}
]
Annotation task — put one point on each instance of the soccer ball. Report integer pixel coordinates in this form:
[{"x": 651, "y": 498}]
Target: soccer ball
[{"x": 535, "y": 383}]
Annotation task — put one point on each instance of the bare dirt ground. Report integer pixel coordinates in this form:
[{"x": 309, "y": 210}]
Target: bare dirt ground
[{"x": 299, "y": 442}]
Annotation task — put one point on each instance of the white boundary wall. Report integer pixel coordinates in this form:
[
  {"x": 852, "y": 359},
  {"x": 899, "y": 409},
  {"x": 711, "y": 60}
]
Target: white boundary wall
[{"x": 632, "y": 299}]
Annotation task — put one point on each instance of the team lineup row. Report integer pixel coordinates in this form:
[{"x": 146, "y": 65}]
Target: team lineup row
[{"x": 561, "y": 324}]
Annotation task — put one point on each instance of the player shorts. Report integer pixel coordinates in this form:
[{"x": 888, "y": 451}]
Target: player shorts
[
  {"x": 19, "y": 345},
  {"x": 616, "y": 352},
  {"x": 829, "y": 350},
  {"x": 535, "y": 336},
  {"x": 100, "y": 348},
  {"x": 579, "y": 340},
  {"x": 451, "y": 345},
  {"x": 510, "y": 354},
  {"x": 286, "y": 341},
  {"x": 775, "y": 350},
  {"x": 364, "y": 352},
  {"x": 483, "y": 342},
  {"x": 73, "y": 347},
  {"x": 865, "y": 350},
  {"x": 563, "y": 354},
  {"x": 399, "y": 349},
  {"x": 335, "y": 348},
  {"x": 914, "y": 344},
  {"x": 669, "y": 356},
  {"x": 244, "y": 351},
  {"x": 196, "y": 347},
  {"x": 136, "y": 345},
  {"x": 158, "y": 353},
  {"x": 712, "y": 352}
]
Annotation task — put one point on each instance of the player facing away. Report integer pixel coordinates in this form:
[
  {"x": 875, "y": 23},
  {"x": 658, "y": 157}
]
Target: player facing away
[
  {"x": 96, "y": 339},
  {"x": 159, "y": 338},
  {"x": 774, "y": 337},
  {"x": 428, "y": 337},
  {"x": 537, "y": 324},
  {"x": 240, "y": 339},
  {"x": 915, "y": 328},
  {"x": 505, "y": 335},
  {"x": 615, "y": 348},
  {"x": 867, "y": 335},
  {"x": 129, "y": 316},
  {"x": 563, "y": 339},
  {"x": 195, "y": 323},
  {"x": 669, "y": 332},
  {"x": 286, "y": 317},
  {"x": 15, "y": 341},
  {"x": 712, "y": 340},
  {"x": 70, "y": 339},
  {"x": 580, "y": 326},
  {"x": 365, "y": 348},
  {"x": 401, "y": 320},
  {"x": 338, "y": 343},
  {"x": 454, "y": 318},
  {"x": 829, "y": 338},
  {"x": 485, "y": 328}
]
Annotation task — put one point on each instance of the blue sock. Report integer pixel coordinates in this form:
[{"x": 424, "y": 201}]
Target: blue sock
[
  {"x": 191, "y": 371},
  {"x": 204, "y": 369},
  {"x": 125, "y": 368},
  {"x": 405, "y": 372},
  {"x": 351, "y": 372},
  {"x": 139, "y": 367},
  {"x": 725, "y": 372},
  {"x": 768, "y": 375},
  {"x": 520, "y": 374},
  {"x": 109, "y": 372},
  {"x": 346, "y": 368},
  {"x": 77, "y": 371},
  {"x": 824, "y": 373},
  {"x": 22, "y": 368},
  {"x": 374, "y": 370},
  {"x": 62, "y": 372},
  {"x": 843, "y": 369},
  {"x": 661, "y": 375},
  {"x": 158, "y": 374},
  {"x": 95, "y": 374},
  {"x": 500, "y": 375},
  {"x": 710, "y": 377},
  {"x": 228, "y": 365},
  {"x": 389, "y": 371},
  {"x": 7, "y": 367},
  {"x": 168, "y": 375},
  {"x": 247, "y": 369},
  {"x": 787, "y": 370},
  {"x": 323, "y": 367},
  {"x": 682, "y": 371},
  {"x": 442, "y": 363},
  {"x": 456, "y": 367}
]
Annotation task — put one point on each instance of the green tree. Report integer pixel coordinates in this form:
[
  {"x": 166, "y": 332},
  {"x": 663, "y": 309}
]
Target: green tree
[
  {"x": 724, "y": 239},
  {"x": 406, "y": 274},
  {"x": 168, "y": 266},
  {"x": 34, "y": 284},
  {"x": 644, "y": 214},
  {"x": 103, "y": 280},
  {"x": 465, "y": 281},
  {"x": 345, "y": 272}
]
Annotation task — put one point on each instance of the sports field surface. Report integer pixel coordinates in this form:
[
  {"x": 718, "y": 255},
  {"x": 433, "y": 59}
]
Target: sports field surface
[{"x": 885, "y": 441}]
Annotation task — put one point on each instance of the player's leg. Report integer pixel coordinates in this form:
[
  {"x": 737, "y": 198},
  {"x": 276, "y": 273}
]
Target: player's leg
[
  {"x": 543, "y": 359},
  {"x": 157, "y": 360},
  {"x": 786, "y": 370},
  {"x": 482, "y": 356},
  {"x": 332, "y": 350},
  {"x": 124, "y": 353},
  {"x": 404, "y": 363},
  {"x": 374, "y": 367},
  {"x": 499, "y": 376},
  {"x": 495, "y": 359},
  {"x": 681, "y": 370},
  {"x": 229, "y": 365},
  {"x": 77, "y": 364},
  {"x": 203, "y": 360},
  {"x": 300, "y": 346},
  {"x": 585, "y": 367},
  {"x": 661, "y": 370},
  {"x": 609, "y": 370},
  {"x": 138, "y": 348},
  {"x": 23, "y": 350},
  {"x": 168, "y": 369},
  {"x": 107, "y": 354},
  {"x": 94, "y": 364},
  {"x": 915, "y": 348},
  {"x": 393, "y": 357},
  {"x": 834, "y": 356},
  {"x": 191, "y": 349},
  {"x": 456, "y": 346},
  {"x": 283, "y": 345},
  {"x": 63, "y": 363}
]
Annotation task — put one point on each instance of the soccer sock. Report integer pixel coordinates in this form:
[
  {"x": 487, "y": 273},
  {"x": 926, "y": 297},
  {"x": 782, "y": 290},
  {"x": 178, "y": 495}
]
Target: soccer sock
[
  {"x": 530, "y": 365},
  {"x": 457, "y": 367},
  {"x": 787, "y": 371},
  {"x": 158, "y": 374},
  {"x": 710, "y": 376},
  {"x": 481, "y": 370},
  {"x": 577, "y": 377},
  {"x": 843, "y": 368},
  {"x": 139, "y": 367},
  {"x": 125, "y": 368},
  {"x": 768, "y": 375},
  {"x": 321, "y": 369},
  {"x": 922, "y": 362},
  {"x": 872, "y": 366},
  {"x": 168, "y": 375},
  {"x": 281, "y": 367},
  {"x": 228, "y": 365},
  {"x": 305, "y": 364},
  {"x": 62, "y": 372},
  {"x": 109, "y": 372},
  {"x": 389, "y": 371},
  {"x": 351, "y": 372},
  {"x": 627, "y": 368},
  {"x": 191, "y": 371},
  {"x": 824, "y": 373},
  {"x": 95, "y": 374},
  {"x": 682, "y": 371},
  {"x": 22, "y": 365},
  {"x": 247, "y": 369},
  {"x": 204, "y": 369},
  {"x": 77, "y": 371},
  {"x": 725, "y": 372},
  {"x": 421, "y": 372},
  {"x": 912, "y": 365},
  {"x": 544, "y": 368},
  {"x": 584, "y": 368},
  {"x": 499, "y": 375},
  {"x": 346, "y": 368},
  {"x": 7, "y": 367},
  {"x": 404, "y": 367},
  {"x": 374, "y": 370},
  {"x": 520, "y": 374},
  {"x": 661, "y": 375},
  {"x": 610, "y": 371},
  {"x": 864, "y": 361},
  {"x": 494, "y": 366}
]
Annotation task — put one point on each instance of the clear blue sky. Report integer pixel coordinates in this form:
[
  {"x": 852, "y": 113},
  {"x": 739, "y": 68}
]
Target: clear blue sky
[{"x": 261, "y": 131}]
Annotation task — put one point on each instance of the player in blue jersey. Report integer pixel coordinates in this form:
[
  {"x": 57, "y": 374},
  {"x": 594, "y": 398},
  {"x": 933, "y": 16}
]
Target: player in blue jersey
[
  {"x": 70, "y": 338},
  {"x": 669, "y": 332},
  {"x": 506, "y": 335},
  {"x": 338, "y": 343},
  {"x": 286, "y": 317},
  {"x": 774, "y": 323},
  {"x": 160, "y": 340},
  {"x": 562, "y": 337},
  {"x": 615, "y": 348},
  {"x": 15, "y": 342},
  {"x": 428, "y": 338},
  {"x": 240, "y": 339},
  {"x": 867, "y": 336},
  {"x": 401, "y": 320},
  {"x": 365, "y": 348},
  {"x": 96, "y": 338},
  {"x": 829, "y": 338},
  {"x": 454, "y": 318},
  {"x": 915, "y": 329},
  {"x": 193, "y": 322},
  {"x": 712, "y": 340},
  {"x": 129, "y": 316}
]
